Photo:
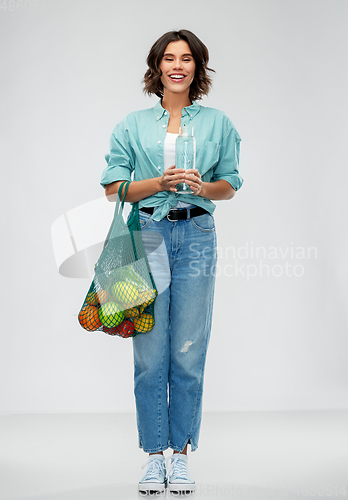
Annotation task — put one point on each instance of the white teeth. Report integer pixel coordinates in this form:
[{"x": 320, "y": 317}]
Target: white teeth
[{"x": 177, "y": 77}]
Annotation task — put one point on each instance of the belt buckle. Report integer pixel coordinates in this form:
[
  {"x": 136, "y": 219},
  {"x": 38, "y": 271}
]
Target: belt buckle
[{"x": 172, "y": 220}]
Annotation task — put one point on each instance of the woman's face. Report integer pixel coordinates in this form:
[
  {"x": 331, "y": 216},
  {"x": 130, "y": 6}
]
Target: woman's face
[{"x": 177, "y": 67}]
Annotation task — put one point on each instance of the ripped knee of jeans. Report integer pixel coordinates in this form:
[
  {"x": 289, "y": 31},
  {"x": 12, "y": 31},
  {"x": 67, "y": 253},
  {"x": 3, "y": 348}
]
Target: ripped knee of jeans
[{"x": 186, "y": 346}]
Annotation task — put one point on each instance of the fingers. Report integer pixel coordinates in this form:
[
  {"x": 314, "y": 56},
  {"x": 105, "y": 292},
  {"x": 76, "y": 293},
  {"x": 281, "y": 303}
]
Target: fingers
[
  {"x": 193, "y": 179},
  {"x": 172, "y": 168},
  {"x": 195, "y": 186},
  {"x": 173, "y": 176},
  {"x": 193, "y": 175}
]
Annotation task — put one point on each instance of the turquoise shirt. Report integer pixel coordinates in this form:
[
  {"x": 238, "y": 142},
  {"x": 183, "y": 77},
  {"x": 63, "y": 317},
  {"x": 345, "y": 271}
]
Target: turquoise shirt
[{"x": 136, "y": 147}]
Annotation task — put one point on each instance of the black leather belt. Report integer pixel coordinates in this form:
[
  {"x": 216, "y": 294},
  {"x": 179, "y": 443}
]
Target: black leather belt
[{"x": 178, "y": 214}]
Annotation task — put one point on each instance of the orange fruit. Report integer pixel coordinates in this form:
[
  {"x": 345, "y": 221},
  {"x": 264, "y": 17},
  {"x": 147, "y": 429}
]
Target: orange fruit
[
  {"x": 144, "y": 323},
  {"x": 133, "y": 312},
  {"x": 92, "y": 299},
  {"x": 103, "y": 296},
  {"x": 89, "y": 318},
  {"x": 96, "y": 298}
]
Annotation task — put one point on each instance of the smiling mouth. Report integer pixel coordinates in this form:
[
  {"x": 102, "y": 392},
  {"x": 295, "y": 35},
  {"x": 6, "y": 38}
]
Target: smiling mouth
[{"x": 176, "y": 78}]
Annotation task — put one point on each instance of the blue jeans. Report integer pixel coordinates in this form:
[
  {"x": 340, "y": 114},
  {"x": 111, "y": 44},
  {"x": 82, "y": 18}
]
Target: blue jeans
[{"x": 169, "y": 361}]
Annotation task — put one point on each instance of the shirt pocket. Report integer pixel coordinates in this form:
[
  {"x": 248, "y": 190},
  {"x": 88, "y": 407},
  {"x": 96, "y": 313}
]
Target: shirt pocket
[{"x": 207, "y": 156}]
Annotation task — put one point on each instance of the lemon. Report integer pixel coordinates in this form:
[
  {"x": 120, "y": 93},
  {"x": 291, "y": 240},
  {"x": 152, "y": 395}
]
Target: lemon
[
  {"x": 147, "y": 297},
  {"x": 127, "y": 273},
  {"x": 125, "y": 293}
]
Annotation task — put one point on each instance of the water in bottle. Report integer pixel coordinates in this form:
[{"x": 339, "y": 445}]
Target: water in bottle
[{"x": 185, "y": 154}]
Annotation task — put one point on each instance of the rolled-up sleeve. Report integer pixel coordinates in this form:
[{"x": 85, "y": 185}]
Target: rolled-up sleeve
[
  {"x": 120, "y": 161},
  {"x": 227, "y": 167}
]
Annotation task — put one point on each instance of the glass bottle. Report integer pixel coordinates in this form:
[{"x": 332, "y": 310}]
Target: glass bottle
[{"x": 185, "y": 154}]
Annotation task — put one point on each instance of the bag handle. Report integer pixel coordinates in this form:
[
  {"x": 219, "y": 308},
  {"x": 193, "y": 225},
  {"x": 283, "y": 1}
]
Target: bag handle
[
  {"x": 119, "y": 196},
  {"x": 117, "y": 208}
]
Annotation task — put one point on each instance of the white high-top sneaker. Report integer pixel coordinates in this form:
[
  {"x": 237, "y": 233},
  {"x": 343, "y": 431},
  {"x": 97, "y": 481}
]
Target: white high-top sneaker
[
  {"x": 155, "y": 477},
  {"x": 179, "y": 478}
]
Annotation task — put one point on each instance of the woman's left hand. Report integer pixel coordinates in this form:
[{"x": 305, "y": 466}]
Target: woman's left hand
[{"x": 193, "y": 180}]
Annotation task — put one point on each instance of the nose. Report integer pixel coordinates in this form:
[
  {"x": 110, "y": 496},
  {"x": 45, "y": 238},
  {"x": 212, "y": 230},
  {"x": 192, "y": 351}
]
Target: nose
[{"x": 177, "y": 64}]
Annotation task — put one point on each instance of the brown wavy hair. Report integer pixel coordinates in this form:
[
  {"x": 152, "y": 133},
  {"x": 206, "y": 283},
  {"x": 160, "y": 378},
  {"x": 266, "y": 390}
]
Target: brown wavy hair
[{"x": 201, "y": 83}]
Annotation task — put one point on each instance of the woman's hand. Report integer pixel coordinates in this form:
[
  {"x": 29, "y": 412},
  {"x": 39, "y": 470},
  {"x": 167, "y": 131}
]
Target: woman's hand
[
  {"x": 171, "y": 177},
  {"x": 193, "y": 180}
]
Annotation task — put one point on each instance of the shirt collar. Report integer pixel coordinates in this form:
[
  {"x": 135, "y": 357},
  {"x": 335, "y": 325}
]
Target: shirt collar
[{"x": 189, "y": 110}]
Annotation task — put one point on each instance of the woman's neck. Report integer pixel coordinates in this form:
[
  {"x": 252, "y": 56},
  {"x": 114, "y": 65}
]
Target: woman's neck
[{"x": 174, "y": 102}]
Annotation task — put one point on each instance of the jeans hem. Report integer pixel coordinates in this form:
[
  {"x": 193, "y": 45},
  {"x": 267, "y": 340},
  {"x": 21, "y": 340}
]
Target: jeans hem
[
  {"x": 155, "y": 450},
  {"x": 180, "y": 449}
]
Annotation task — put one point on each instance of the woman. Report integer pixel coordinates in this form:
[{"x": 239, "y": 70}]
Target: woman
[{"x": 179, "y": 237}]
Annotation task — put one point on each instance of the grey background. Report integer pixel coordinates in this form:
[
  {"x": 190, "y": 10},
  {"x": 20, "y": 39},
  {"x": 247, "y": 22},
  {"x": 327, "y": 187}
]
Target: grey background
[{"x": 69, "y": 72}]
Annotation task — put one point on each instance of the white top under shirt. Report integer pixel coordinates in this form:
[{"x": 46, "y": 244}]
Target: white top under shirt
[{"x": 169, "y": 160}]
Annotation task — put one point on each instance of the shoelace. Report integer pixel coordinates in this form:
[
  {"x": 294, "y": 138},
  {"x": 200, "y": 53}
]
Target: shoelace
[
  {"x": 177, "y": 467},
  {"x": 156, "y": 466}
]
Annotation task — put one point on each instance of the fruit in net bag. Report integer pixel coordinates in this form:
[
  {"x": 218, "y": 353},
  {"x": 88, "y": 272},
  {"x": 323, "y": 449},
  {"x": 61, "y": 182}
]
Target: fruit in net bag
[
  {"x": 144, "y": 323},
  {"x": 97, "y": 298},
  {"x": 126, "y": 293},
  {"x": 124, "y": 329},
  {"x": 133, "y": 312},
  {"x": 89, "y": 318},
  {"x": 111, "y": 314}
]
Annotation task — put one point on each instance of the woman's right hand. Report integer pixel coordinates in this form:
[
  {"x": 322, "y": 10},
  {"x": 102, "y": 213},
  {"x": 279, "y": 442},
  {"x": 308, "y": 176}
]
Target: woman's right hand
[{"x": 171, "y": 177}]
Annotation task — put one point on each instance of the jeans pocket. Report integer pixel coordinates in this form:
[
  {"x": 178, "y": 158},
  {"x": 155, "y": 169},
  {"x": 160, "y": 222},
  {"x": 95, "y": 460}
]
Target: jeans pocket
[
  {"x": 144, "y": 219},
  {"x": 204, "y": 223}
]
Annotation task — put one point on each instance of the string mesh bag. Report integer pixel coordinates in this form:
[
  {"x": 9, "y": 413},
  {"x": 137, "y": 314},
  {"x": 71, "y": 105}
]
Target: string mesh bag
[{"x": 121, "y": 298}]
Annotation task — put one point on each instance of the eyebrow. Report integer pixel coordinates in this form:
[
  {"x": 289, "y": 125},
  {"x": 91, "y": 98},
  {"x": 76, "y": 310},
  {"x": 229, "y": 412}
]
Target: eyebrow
[{"x": 168, "y": 54}]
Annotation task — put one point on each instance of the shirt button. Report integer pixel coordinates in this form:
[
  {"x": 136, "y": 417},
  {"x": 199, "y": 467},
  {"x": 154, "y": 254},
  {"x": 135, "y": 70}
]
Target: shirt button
[
  {"x": 159, "y": 168},
  {"x": 164, "y": 126},
  {"x": 191, "y": 116},
  {"x": 165, "y": 112},
  {"x": 158, "y": 142}
]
